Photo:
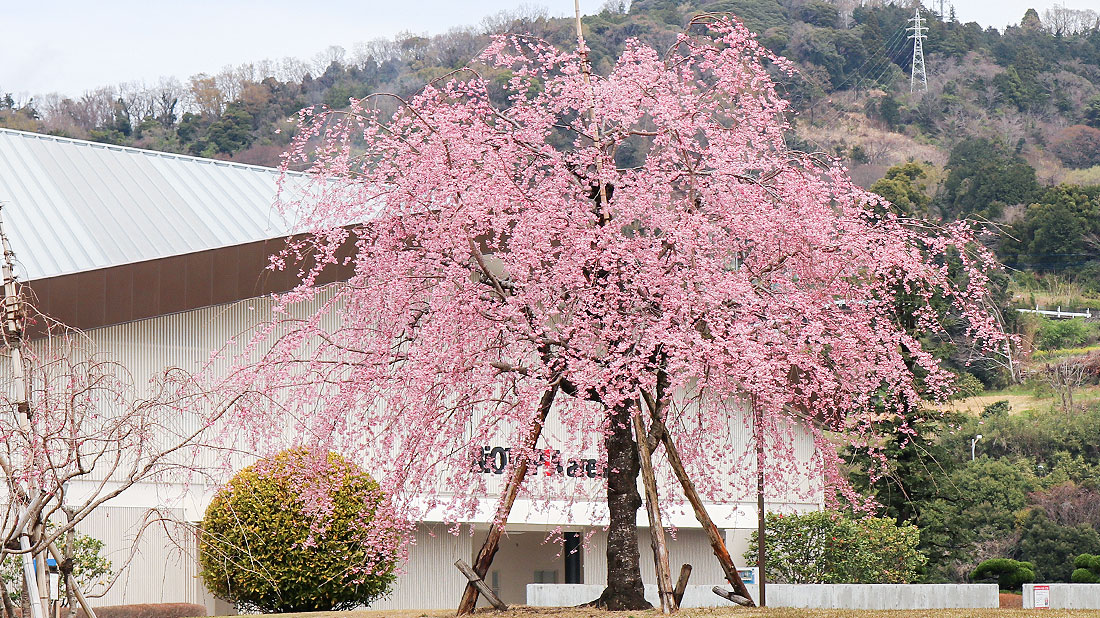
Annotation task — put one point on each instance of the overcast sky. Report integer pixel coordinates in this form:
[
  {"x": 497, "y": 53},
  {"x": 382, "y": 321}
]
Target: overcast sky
[{"x": 70, "y": 46}]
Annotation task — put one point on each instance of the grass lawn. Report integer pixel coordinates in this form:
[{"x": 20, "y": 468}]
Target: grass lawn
[{"x": 573, "y": 612}]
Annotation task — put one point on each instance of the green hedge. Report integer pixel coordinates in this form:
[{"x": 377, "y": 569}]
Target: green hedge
[{"x": 829, "y": 547}]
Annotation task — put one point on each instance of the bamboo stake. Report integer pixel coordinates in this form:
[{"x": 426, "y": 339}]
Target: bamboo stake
[
  {"x": 489, "y": 549},
  {"x": 717, "y": 544},
  {"x": 42, "y": 572},
  {"x": 656, "y": 529},
  {"x": 13, "y": 322},
  {"x": 586, "y": 68}
]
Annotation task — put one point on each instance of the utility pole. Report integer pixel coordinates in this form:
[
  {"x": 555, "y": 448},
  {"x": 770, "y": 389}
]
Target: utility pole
[
  {"x": 917, "y": 34},
  {"x": 31, "y": 525},
  {"x": 13, "y": 321}
]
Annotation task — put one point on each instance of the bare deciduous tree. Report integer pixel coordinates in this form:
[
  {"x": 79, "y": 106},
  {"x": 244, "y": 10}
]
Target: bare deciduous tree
[{"x": 78, "y": 430}]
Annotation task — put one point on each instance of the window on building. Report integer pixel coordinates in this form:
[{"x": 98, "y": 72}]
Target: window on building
[{"x": 546, "y": 577}]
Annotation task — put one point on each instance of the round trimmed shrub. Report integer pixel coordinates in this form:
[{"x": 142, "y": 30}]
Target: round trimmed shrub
[
  {"x": 1010, "y": 574},
  {"x": 1087, "y": 569},
  {"x": 296, "y": 533}
]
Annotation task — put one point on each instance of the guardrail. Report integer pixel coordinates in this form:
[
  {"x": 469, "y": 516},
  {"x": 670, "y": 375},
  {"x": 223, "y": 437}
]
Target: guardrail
[{"x": 1059, "y": 314}]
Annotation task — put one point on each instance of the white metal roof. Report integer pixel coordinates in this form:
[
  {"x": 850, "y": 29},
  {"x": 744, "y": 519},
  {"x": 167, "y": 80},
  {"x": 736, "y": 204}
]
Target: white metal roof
[{"x": 71, "y": 205}]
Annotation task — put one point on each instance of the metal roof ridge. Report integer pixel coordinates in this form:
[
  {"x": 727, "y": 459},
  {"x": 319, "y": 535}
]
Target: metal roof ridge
[{"x": 145, "y": 151}]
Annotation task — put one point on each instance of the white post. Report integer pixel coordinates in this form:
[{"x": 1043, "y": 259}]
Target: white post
[{"x": 31, "y": 577}]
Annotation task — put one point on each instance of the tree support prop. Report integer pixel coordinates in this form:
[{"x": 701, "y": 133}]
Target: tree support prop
[
  {"x": 492, "y": 541},
  {"x": 480, "y": 584},
  {"x": 736, "y": 598},
  {"x": 656, "y": 529},
  {"x": 70, "y": 583},
  {"x": 681, "y": 584},
  {"x": 717, "y": 544}
]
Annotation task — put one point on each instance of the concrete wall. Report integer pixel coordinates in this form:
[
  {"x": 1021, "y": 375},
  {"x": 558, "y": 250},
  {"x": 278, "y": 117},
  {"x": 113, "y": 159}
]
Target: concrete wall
[
  {"x": 820, "y": 596},
  {"x": 1066, "y": 596}
]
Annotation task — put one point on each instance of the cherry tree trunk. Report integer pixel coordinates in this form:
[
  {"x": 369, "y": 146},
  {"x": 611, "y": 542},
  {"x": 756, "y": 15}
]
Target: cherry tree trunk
[{"x": 624, "y": 574}]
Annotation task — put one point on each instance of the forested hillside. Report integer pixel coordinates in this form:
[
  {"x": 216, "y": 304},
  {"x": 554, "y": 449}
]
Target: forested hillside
[{"x": 1035, "y": 87}]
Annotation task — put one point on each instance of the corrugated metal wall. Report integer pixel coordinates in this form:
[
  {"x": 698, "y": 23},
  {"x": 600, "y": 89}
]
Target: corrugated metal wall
[
  {"x": 162, "y": 566},
  {"x": 431, "y": 580},
  {"x": 689, "y": 547}
]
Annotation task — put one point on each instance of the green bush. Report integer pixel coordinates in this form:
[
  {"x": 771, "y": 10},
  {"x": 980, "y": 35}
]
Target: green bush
[
  {"x": 90, "y": 568},
  {"x": 265, "y": 547},
  {"x": 1087, "y": 569},
  {"x": 1058, "y": 334},
  {"x": 828, "y": 547},
  {"x": 967, "y": 385},
  {"x": 1010, "y": 574}
]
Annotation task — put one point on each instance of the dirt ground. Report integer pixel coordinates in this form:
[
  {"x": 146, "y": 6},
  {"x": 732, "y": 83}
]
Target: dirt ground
[{"x": 573, "y": 612}]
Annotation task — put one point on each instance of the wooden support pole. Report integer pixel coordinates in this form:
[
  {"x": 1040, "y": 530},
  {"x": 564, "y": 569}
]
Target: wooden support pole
[
  {"x": 656, "y": 528},
  {"x": 71, "y": 585},
  {"x": 717, "y": 543},
  {"x": 736, "y": 598},
  {"x": 761, "y": 539},
  {"x": 489, "y": 549},
  {"x": 9, "y": 607},
  {"x": 681, "y": 584},
  {"x": 480, "y": 584}
]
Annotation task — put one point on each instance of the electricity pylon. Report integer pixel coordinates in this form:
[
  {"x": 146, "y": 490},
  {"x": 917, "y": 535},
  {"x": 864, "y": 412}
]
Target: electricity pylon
[{"x": 918, "y": 36}]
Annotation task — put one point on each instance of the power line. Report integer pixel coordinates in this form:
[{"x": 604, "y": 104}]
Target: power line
[
  {"x": 887, "y": 59},
  {"x": 879, "y": 61}
]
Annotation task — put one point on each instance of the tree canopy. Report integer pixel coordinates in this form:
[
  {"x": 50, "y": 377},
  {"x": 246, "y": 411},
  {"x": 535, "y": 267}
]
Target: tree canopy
[{"x": 504, "y": 260}]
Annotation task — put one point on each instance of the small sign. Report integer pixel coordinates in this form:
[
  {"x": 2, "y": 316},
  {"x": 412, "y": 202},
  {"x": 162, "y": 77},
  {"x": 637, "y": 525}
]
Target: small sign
[
  {"x": 1042, "y": 596},
  {"x": 748, "y": 576}
]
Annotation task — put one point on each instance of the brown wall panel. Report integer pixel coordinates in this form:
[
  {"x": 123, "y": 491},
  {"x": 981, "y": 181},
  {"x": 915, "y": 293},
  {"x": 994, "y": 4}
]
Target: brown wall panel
[
  {"x": 168, "y": 285},
  {"x": 92, "y": 301},
  {"x": 146, "y": 288},
  {"x": 200, "y": 279},
  {"x": 224, "y": 281},
  {"x": 250, "y": 269},
  {"x": 173, "y": 285},
  {"x": 63, "y": 294},
  {"x": 119, "y": 306}
]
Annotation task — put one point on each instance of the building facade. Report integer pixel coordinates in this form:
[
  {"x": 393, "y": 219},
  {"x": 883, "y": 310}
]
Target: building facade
[{"x": 160, "y": 260}]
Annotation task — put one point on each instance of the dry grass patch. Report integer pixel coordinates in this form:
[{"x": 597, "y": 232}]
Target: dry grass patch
[{"x": 1020, "y": 401}]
